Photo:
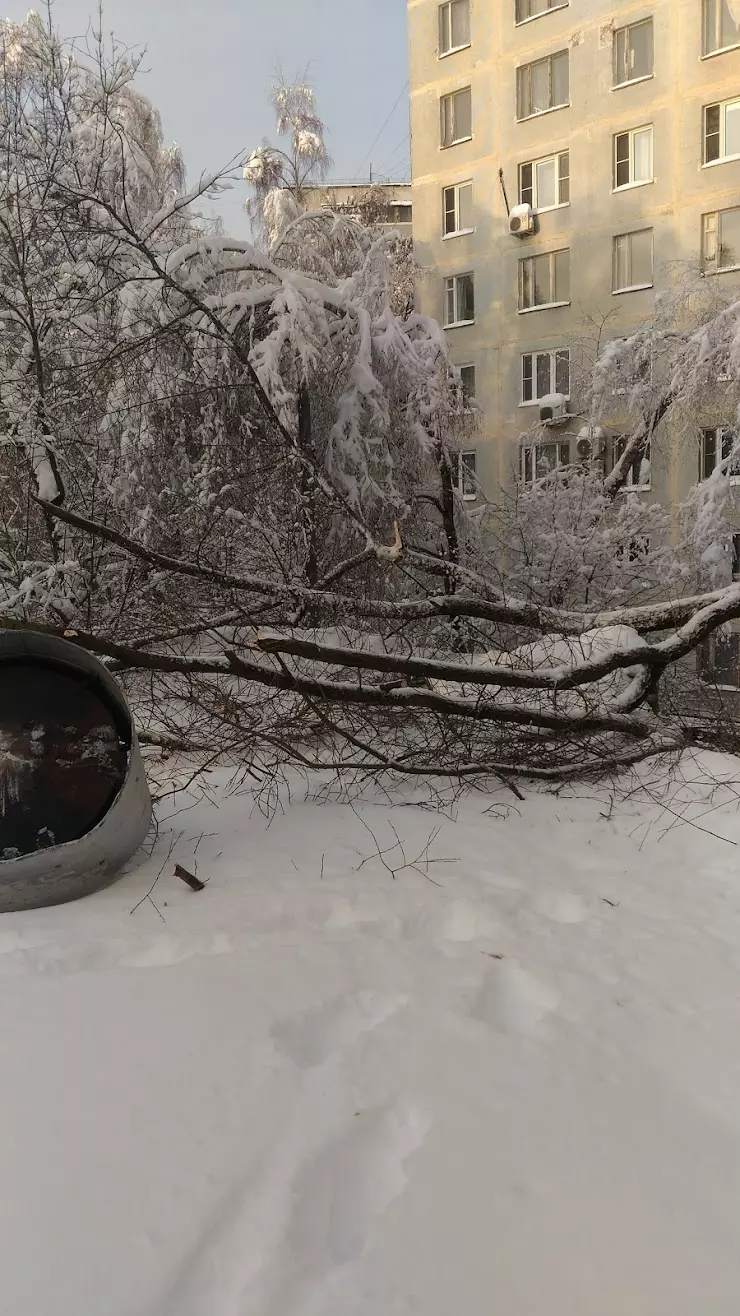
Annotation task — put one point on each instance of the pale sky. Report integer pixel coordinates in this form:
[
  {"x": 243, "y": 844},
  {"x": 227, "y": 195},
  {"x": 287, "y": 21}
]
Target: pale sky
[{"x": 209, "y": 65}]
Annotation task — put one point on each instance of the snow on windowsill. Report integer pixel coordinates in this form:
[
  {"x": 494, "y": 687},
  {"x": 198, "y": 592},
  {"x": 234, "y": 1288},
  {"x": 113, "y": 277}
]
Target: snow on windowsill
[
  {"x": 544, "y": 306},
  {"x": 634, "y": 287},
  {"x": 539, "y": 113},
  {"x": 543, "y": 13},
  {"x": 459, "y": 233},
  {"x": 632, "y": 82},
  {"x": 458, "y": 324},
  {"x": 721, "y": 269},
  {"x": 447, "y": 146},
  {"x": 538, "y": 402}
]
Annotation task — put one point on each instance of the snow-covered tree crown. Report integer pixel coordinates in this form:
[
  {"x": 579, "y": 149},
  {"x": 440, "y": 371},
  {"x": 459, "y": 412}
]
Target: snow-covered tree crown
[{"x": 303, "y": 158}]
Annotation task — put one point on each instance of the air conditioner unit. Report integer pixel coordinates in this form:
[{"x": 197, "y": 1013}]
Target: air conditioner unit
[
  {"x": 554, "y": 410},
  {"x": 590, "y": 444},
  {"x": 521, "y": 221}
]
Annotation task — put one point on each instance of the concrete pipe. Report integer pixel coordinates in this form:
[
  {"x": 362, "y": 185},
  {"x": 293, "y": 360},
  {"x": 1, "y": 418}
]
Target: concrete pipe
[{"x": 74, "y": 800}]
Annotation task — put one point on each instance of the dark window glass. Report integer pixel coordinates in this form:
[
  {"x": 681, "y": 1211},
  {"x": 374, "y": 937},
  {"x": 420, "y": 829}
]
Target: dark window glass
[
  {"x": 711, "y": 133},
  {"x": 562, "y": 373},
  {"x": 622, "y": 160}
]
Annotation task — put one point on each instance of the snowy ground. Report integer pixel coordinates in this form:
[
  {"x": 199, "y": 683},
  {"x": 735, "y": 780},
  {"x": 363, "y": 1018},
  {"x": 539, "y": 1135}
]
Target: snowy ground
[{"x": 314, "y": 1090}]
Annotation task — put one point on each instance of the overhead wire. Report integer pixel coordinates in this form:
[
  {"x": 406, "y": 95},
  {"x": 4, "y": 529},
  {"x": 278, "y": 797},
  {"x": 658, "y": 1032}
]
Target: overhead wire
[
  {"x": 404, "y": 145},
  {"x": 383, "y": 127}
]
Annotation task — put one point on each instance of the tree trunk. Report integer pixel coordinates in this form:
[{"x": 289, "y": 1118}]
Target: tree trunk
[{"x": 307, "y": 488}]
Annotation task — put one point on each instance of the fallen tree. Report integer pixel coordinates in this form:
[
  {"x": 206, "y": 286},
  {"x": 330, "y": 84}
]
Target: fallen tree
[{"x": 232, "y": 477}]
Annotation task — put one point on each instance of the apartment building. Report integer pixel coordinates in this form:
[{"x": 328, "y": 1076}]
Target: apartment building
[
  {"x": 570, "y": 159},
  {"x": 388, "y": 203}
]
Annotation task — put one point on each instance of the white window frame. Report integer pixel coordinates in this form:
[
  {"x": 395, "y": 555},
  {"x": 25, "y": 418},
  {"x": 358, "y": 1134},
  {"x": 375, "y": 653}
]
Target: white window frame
[
  {"x": 445, "y": 17},
  {"x": 527, "y": 458},
  {"x": 734, "y": 547},
  {"x": 467, "y": 365},
  {"x": 719, "y": 49},
  {"x": 551, "y": 6},
  {"x": 638, "y": 485},
  {"x": 544, "y": 159},
  {"x": 643, "y": 182},
  {"x": 632, "y": 287},
  {"x": 453, "y": 280},
  {"x": 541, "y": 306},
  {"x": 713, "y": 266},
  {"x": 450, "y": 96},
  {"x": 634, "y": 552},
  {"x": 457, "y": 232},
  {"x": 723, "y": 106},
  {"x": 561, "y": 105},
  {"x": 465, "y": 462},
  {"x": 719, "y": 432},
  {"x": 705, "y": 656},
  {"x": 642, "y": 77},
  {"x": 552, "y": 353}
]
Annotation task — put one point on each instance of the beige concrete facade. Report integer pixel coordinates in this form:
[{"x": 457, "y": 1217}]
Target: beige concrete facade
[
  {"x": 682, "y": 190},
  {"x": 392, "y": 200}
]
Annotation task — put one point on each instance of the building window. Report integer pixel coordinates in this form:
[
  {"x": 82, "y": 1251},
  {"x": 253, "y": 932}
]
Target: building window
[
  {"x": 633, "y": 157},
  {"x": 463, "y": 474},
  {"x": 633, "y": 261},
  {"x": 543, "y": 85},
  {"x": 544, "y": 373},
  {"x": 716, "y": 446},
  {"x": 633, "y": 52},
  {"x": 721, "y": 240},
  {"x": 639, "y": 473},
  {"x": 400, "y": 213},
  {"x": 538, "y": 460},
  {"x": 719, "y": 659},
  {"x": 544, "y": 280},
  {"x": 457, "y": 209},
  {"x": 459, "y": 300},
  {"x": 545, "y": 184},
  {"x": 635, "y": 551},
  {"x": 467, "y": 383},
  {"x": 721, "y": 131},
  {"x": 454, "y": 26},
  {"x": 456, "y": 114},
  {"x": 639, "y": 372},
  {"x": 721, "y": 26},
  {"x": 526, "y": 9}
]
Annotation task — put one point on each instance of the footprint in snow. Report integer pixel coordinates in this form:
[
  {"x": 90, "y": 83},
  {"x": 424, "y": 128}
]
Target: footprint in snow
[
  {"x": 339, "y": 1201},
  {"x": 351, "y": 1183},
  {"x": 562, "y": 907},
  {"x": 511, "y": 1000},
  {"x": 466, "y": 921},
  {"x": 311, "y": 1037},
  {"x": 280, "y": 1240}
]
